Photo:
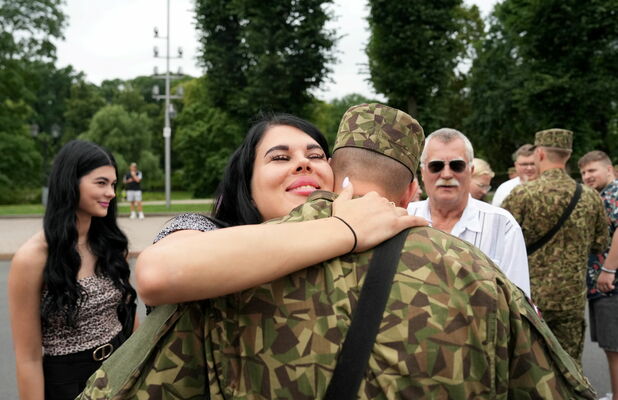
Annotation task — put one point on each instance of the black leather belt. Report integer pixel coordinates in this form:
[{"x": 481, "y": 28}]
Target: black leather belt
[{"x": 98, "y": 353}]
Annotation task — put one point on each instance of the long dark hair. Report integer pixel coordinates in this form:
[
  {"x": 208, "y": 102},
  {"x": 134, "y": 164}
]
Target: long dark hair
[
  {"x": 234, "y": 204},
  {"x": 106, "y": 241}
]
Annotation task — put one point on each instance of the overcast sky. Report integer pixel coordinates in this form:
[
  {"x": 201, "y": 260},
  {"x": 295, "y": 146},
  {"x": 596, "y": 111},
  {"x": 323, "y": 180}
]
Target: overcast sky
[{"x": 109, "y": 39}]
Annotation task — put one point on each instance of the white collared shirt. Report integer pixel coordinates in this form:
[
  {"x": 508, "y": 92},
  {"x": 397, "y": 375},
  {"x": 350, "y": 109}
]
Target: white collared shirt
[
  {"x": 494, "y": 231},
  {"x": 503, "y": 191}
]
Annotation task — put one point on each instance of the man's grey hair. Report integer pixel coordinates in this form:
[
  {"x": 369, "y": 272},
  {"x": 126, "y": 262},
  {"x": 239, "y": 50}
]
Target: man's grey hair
[{"x": 447, "y": 135}]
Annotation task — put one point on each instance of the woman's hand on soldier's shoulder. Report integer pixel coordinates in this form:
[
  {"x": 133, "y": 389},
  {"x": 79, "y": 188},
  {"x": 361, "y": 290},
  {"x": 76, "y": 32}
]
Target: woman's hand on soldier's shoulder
[{"x": 372, "y": 217}]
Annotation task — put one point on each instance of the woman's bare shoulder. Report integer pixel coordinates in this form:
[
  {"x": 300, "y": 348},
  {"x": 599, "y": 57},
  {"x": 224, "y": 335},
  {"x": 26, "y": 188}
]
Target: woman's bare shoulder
[{"x": 32, "y": 254}]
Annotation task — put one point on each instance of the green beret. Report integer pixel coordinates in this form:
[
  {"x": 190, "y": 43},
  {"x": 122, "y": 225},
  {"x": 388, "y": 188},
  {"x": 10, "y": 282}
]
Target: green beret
[
  {"x": 560, "y": 138},
  {"x": 382, "y": 129}
]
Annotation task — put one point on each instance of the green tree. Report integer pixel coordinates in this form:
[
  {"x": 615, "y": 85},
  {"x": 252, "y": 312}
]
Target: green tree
[
  {"x": 129, "y": 136},
  {"x": 260, "y": 56},
  {"x": 84, "y": 101},
  {"x": 27, "y": 31},
  {"x": 264, "y": 55},
  {"x": 414, "y": 47},
  {"x": 29, "y": 27},
  {"x": 548, "y": 64},
  {"x": 204, "y": 138}
]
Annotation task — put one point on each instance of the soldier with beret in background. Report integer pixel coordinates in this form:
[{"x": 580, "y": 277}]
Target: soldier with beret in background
[
  {"x": 453, "y": 326},
  {"x": 563, "y": 222}
]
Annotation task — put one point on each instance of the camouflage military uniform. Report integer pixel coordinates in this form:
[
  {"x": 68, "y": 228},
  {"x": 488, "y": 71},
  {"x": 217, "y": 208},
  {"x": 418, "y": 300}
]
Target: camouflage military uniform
[
  {"x": 454, "y": 327},
  {"x": 558, "y": 269}
]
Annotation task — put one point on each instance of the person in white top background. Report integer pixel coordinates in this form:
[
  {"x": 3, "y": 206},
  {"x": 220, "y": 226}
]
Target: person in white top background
[
  {"x": 481, "y": 179},
  {"x": 526, "y": 171},
  {"x": 446, "y": 170}
]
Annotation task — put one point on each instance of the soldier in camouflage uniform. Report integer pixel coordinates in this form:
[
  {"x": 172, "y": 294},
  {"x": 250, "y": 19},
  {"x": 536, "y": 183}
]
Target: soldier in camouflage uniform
[
  {"x": 558, "y": 269},
  {"x": 454, "y": 326}
]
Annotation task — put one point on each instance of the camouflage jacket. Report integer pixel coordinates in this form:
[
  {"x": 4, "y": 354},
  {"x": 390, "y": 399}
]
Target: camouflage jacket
[
  {"x": 609, "y": 194},
  {"x": 454, "y": 327},
  {"x": 558, "y": 269}
]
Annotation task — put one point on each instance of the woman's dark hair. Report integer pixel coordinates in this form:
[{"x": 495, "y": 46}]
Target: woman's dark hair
[
  {"x": 106, "y": 241},
  {"x": 234, "y": 204}
]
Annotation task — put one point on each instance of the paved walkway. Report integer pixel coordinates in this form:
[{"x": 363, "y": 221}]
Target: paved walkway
[{"x": 14, "y": 231}]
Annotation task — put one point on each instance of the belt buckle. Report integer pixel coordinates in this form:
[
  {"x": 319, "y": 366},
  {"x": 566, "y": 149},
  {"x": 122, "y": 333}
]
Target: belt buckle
[{"x": 102, "y": 352}]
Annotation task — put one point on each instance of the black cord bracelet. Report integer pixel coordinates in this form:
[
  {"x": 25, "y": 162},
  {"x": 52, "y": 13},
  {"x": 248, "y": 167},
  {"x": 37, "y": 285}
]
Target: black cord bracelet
[{"x": 353, "y": 233}]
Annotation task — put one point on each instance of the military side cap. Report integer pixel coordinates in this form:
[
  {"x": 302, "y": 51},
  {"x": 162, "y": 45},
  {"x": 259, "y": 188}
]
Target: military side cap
[
  {"x": 382, "y": 129},
  {"x": 560, "y": 138}
]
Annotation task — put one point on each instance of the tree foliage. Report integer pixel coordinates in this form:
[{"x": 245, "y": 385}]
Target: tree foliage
[
  {"x": 205, "y": 137},
  {"x": 129, "y": 136},
  {"x": 259, "y": 57},
  {"x": 27, "y": 31},
  {"x": 414, "y": 47},
  {"x": 28, "y": 28},
  {"x": 547, "y": 64},
  {"x": 84, "y": 101},
  {"x": 264, "y": 56}
]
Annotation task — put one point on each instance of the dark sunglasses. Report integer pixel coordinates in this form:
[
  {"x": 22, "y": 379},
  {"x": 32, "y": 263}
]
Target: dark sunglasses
[{"x": 436, "y": 166}]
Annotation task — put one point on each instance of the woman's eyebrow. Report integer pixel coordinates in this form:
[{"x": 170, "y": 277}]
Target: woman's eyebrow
[
  {"x": 312, "y": 146},
  {"x": 278, "y": 147},
  {"x": 104, "y": 179}
]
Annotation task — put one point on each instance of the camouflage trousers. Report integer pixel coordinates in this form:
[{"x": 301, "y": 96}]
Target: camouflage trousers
[{"x": 569, "y": 327}]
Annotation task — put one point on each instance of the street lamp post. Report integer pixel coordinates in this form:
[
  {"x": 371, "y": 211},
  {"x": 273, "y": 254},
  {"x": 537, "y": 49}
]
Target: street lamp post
[{"x": 167, "y": 129}]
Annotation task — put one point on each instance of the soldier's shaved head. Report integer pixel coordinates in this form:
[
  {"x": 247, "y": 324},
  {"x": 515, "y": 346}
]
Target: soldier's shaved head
[{"x": 361, "y": 165}]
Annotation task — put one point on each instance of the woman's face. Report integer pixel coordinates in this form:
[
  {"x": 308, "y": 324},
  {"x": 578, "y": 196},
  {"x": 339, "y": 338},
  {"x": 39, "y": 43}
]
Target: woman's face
[
  {"x": 289, "y": 165},
  {"x": 96, "y": 191},
  {"x": 480, "y": 186}
]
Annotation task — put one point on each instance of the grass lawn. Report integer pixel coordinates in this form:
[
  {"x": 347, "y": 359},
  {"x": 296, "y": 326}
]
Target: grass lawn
[
  {"x": 174, "y": 208},
  {"x": 175, "y": 195},
  {"x": 37, "y": 209}
]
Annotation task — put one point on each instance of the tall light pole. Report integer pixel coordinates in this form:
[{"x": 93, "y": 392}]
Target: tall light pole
[{"x": 167, "y": 129}]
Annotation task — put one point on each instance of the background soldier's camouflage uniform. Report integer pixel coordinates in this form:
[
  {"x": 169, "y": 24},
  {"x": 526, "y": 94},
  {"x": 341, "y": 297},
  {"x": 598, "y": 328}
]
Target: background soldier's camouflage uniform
[{"x": 558, "y": 269}]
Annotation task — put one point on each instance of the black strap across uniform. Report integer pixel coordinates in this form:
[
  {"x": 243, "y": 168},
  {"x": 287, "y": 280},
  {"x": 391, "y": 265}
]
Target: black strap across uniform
[
  {"x": 354, "y": 356},
  {"x": 565, "y": 215}
]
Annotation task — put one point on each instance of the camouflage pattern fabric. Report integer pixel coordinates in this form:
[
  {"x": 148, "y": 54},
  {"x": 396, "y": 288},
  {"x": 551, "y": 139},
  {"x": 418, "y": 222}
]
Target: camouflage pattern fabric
[
  {"x": 569, "y": 327},
  {"x": 382, "y": 129},
  {"x": 163, "y": 359},
  {"x": 558, "y": 269},
  {"x": 454, "y": 327},
  {"x": 558, "y": 138},
  {"x": 609, "y": 195}
]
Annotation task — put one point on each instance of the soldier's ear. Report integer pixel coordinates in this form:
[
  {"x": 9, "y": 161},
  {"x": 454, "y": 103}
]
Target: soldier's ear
[{"x": 409, "y": 193}]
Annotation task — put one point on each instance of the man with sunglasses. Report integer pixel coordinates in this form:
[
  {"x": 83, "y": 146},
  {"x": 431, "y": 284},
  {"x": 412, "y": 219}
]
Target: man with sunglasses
[
  {"x": 558, "y": 265},
  {"x": 446, "y": 169},
  {"x": 525, "y": 169}
]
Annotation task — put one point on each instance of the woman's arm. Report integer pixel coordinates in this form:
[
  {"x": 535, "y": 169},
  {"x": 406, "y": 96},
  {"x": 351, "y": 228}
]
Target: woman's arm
[
  {"x": 192, "y": 265},
  {"x": 24, "y": 284}
]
